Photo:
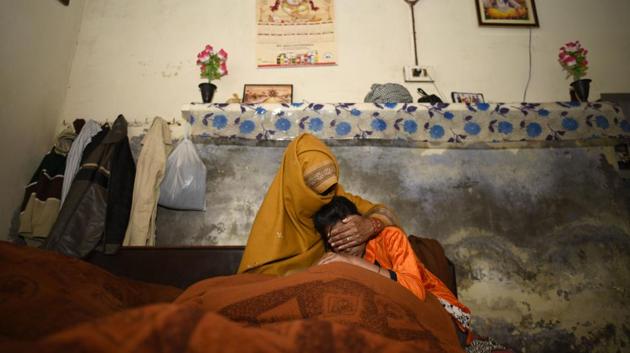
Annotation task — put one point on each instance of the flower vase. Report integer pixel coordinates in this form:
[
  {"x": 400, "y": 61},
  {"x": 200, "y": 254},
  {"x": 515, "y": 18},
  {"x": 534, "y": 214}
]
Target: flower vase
[
  {"x": 207, "y": 91},
  {"x": 580, "y": 89}
]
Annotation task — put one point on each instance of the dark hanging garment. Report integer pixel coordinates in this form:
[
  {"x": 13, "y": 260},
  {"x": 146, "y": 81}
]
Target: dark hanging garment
[
  {"x": 96, "y": 210},
  {"x": 42, "y": 195}
]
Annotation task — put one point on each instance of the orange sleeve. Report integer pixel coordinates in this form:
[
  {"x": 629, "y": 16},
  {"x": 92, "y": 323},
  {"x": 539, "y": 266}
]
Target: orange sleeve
[
  {"x": 436, "y": 287},
  {"x": 403, "y": 260},
  {"x": 411, "y": 271},
  {"x": 413, "y": 275}
]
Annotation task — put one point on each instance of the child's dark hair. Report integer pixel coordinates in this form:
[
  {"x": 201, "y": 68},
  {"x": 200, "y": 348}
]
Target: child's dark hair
[{"x": 334, "y": 211}]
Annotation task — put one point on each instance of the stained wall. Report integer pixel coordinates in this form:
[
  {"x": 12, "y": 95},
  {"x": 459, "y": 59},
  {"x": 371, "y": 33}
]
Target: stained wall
[{"x": 540, "y": 237}]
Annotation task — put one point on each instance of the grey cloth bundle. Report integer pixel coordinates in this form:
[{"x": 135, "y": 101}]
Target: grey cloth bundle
[{"x": 388, "y": 93}]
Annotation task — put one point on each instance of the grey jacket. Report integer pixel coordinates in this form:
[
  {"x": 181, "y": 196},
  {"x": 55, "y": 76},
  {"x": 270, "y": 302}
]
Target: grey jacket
[{"x": 96, "y": 210}]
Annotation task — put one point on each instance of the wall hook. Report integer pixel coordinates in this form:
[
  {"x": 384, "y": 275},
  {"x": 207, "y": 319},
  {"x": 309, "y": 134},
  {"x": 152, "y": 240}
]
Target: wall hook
[{"x": 174, "y": 122}]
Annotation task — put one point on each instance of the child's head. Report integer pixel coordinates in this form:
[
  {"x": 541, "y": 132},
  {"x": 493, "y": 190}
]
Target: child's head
[{"x": 331, "y": 213}]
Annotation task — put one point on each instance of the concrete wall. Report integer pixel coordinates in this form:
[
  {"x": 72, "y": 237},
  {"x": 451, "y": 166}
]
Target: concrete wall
[
  {"x": 138, "y": 57},
  {"x": 38, "y": 43},
  {"x": 540, "y": 237}
]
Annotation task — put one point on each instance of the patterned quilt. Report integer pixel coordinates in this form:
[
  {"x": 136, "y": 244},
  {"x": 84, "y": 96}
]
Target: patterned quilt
[{"x": 331, "y": 308}]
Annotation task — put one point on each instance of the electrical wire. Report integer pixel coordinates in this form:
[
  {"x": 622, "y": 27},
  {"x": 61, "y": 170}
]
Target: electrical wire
[
  {"x": 437, "y": 89},
  {"x": 413, "y": 3},
  {"x": 529, "y": 75}
]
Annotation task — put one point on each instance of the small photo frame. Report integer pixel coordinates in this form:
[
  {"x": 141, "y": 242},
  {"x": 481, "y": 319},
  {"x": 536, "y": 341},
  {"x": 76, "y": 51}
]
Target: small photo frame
[
  {"x": 507, "y": 13},
  {"x": 465, "y": 97},
  {"x": 267, "y": 93}
]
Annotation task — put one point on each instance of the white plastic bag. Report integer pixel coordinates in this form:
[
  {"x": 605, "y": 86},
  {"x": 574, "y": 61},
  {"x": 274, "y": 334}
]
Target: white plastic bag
[{"x": 184, "y": 183}]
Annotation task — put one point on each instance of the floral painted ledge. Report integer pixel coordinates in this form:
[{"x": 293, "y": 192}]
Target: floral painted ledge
[{"x": 483, "y": 125}]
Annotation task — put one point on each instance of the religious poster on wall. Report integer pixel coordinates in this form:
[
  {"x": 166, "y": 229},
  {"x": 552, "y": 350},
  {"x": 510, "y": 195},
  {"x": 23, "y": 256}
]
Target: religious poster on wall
[{"x": 295, "y": 33}]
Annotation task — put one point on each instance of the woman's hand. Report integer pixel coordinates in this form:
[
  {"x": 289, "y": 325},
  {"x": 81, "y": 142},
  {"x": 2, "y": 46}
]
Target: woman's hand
[{"x": 350, "y": 232}]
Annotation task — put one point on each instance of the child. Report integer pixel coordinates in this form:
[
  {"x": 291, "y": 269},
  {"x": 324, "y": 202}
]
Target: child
[{"x": 390, "y": 255}]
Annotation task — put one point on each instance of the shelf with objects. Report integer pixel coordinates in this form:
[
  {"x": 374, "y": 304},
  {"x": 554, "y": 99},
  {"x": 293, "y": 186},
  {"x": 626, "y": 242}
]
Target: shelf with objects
[{"x": 442, "y": 125}]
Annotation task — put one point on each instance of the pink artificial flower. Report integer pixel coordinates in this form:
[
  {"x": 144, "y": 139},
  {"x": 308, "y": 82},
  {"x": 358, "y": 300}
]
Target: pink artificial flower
[
  {"x": 209, "y": 48},
  {"x": 223, "y": 69},
  {"x": 572, "y": 57},
  {"x": 222, "y": 54}
]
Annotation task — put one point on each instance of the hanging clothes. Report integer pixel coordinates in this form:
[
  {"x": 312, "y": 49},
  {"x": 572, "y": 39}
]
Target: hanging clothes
[
  {"x": 41, "y": 202},
  {"x": 96, "y": 210},
  {"x": 156, "y": 147},
  {"x": 73, "y": 162}
]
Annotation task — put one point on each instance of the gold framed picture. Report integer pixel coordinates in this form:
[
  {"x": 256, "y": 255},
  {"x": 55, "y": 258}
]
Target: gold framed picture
[
  {"x": 465, "y": 97},
  {"x": 267, "y": 93},
  {"x": 507, "y": 13}
]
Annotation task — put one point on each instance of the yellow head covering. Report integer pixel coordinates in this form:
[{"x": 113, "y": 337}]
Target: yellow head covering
[{"x": 283, "y": 237}]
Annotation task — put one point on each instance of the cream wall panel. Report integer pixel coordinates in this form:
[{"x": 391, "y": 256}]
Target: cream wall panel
[
  {"x": 38, "y": 43},
  {"x": 137, "y": 57}
]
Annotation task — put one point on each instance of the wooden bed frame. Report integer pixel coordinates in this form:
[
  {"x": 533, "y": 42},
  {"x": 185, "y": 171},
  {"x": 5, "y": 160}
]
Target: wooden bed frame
[
  {"x": 183, "y": 266},
  {"x": 175, "y": 266}
]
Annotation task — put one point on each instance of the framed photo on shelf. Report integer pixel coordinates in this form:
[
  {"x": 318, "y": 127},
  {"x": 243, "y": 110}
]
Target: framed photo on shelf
[
  {"x": 507, "y": 13},
  {"x": 267, "y": 93},
  {"x": 464, "y": 97}
]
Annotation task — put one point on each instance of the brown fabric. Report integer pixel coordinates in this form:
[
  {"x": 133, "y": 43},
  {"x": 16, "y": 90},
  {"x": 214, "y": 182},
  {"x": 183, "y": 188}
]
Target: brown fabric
[
  {"x": 331, "y": 308},
  {"x": 431, "y": 254},
  {"x": 42, "y": 292}
]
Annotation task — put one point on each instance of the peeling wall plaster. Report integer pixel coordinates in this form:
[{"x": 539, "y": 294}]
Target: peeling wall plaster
[{"x": 540, "y": 237}]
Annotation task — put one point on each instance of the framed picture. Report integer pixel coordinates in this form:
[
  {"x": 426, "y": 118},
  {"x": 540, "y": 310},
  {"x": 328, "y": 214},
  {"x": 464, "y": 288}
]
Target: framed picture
[
  {"x": 507, "y": 13},
  {"x": 464, "y": 97},
  {"x": 255, "y": 94}
]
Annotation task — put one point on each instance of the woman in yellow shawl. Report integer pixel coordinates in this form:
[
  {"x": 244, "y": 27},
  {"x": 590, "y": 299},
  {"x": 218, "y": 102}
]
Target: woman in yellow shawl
[{"x": 283, "y": 238}]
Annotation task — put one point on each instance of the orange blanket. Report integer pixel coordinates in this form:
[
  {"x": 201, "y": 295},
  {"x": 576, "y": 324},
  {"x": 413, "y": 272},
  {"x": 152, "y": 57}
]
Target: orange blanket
[
  {"x": 42, "y": 292},
  {"x": 331, "y": 308}
]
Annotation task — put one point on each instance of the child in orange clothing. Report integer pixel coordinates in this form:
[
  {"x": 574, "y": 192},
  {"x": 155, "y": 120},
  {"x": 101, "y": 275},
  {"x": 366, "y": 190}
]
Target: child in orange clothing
[{"x": 390, "y": 255}]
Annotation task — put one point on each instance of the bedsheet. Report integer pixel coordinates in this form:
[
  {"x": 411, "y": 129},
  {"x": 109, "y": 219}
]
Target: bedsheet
[{"x": 336, "y": 307}]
